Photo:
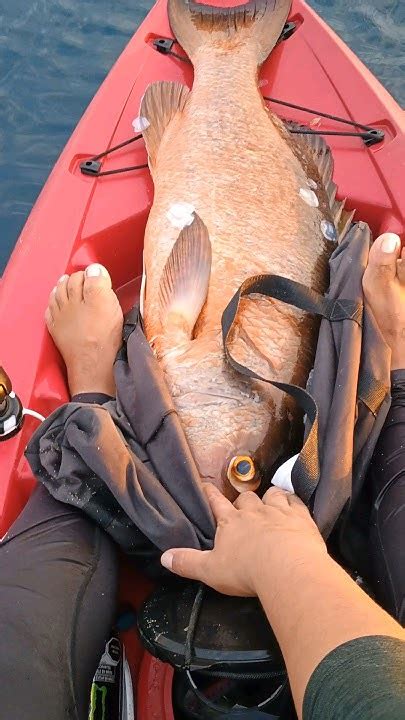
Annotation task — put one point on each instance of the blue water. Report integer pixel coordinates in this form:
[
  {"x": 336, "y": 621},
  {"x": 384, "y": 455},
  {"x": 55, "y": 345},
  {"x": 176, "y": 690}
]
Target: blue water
[{"x": 55, "y": 53}]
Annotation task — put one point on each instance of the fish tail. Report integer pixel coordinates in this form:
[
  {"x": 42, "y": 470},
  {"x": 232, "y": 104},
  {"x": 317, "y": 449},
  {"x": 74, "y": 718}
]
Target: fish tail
[{"x": 259, "y": 22}]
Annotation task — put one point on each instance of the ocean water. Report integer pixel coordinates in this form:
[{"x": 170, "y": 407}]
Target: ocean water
[{"x": 55, "y": 53}]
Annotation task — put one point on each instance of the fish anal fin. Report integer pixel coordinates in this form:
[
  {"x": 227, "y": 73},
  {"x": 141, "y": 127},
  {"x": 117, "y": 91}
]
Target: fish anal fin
[
  {"x": 185, "y": 279},
  {"x": 161, "y": 102}
]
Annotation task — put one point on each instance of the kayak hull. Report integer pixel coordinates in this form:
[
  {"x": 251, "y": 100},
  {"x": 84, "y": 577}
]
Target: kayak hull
[{"x": 80, "y": 219}]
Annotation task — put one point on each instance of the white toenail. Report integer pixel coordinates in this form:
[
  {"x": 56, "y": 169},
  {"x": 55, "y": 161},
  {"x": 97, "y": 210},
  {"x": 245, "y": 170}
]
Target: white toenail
[
  {"x": 95, "y": 270},
  {"x": 63, "y": 278},
  {"x": 390, "y": 242}
]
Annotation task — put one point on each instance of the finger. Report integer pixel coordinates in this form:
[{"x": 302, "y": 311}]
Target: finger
[
  {"x": 247, "y": 500},
  {"x": 220, "y": 506},
  {"x": 277, "y": 497},
  {"x": 186, "y": 562},
  {"x": 295, "y": 502}
]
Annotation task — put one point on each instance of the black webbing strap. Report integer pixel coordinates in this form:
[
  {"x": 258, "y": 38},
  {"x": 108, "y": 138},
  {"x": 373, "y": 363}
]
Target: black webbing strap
[{"x": 306, "y": 470}]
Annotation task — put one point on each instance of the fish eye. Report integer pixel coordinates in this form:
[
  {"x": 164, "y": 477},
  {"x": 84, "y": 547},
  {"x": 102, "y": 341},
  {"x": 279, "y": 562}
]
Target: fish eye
[{"x": 241, "y": 469}]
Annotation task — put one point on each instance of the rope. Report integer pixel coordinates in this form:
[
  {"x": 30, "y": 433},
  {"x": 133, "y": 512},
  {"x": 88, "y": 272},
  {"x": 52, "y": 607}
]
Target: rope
[{"x": 369, "y": 134}]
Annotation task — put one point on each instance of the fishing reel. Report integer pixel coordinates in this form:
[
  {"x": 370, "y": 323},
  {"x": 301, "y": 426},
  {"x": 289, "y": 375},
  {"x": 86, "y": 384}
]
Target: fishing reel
[{"x": 11, "y": 408}]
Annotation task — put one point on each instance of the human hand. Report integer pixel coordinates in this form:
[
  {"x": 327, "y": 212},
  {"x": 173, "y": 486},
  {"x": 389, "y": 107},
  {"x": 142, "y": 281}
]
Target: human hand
[{"x": 253, "y": 537}]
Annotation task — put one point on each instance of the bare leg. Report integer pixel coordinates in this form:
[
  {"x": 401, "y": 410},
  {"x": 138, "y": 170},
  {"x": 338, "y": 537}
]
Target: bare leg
[
  {"x": 384, "y": 287},
  {"x": 58, "y": 569},
  {"x": 85, "y": 320}
]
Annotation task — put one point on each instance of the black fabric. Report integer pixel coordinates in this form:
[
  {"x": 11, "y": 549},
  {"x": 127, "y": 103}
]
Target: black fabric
[
  {"x": 128, "y": 464},
  {"x": 250, "y": 715},
  {"x": 347, "y": 398},
  {"x": 307, "y": 469},
  {"x": 362, "y": 679},
  {"x": 386, "y": 483},
  {"x": 56, "y": 569},
  {"x": 351, "y": 369},
  {"x": 92, "y": 398}
]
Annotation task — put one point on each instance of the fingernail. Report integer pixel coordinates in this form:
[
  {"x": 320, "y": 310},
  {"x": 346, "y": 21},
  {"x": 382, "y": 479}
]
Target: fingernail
[
  {"x": 390, "y": 243},
  {"x": 62, "y": 278},
  {"x": 95, "y": 270},
  {"x": 167, "y": 559}
]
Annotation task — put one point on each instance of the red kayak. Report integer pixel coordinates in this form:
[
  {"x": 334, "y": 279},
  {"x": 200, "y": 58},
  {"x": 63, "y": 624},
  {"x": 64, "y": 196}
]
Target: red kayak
[{"x": 82, "y": 217}]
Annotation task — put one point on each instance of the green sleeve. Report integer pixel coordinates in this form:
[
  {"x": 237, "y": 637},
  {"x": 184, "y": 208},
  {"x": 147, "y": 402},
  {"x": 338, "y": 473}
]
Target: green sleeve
[{"x": 364, "y": 679}]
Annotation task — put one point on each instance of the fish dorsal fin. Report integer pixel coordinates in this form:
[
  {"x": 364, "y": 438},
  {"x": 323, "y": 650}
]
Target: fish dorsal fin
[
  {"x": 321, "y": 155},
  {"x": 161, "y": 102},
  {"x": 184, "y": 284}
]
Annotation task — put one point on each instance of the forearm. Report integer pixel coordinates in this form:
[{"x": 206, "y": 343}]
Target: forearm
[{"x": 302, "y": 600}]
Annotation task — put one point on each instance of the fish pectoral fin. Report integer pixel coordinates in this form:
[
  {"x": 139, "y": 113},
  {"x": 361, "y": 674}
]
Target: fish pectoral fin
[
  {"x": 161, "y": 102},
  {"x": 184, "y": 284}
]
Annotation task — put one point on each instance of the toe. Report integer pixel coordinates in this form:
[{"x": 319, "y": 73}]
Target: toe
[
  {"x": 53, "y": 306},
  {"x": 49, "y": 318},
  {"x": 401, "y": 267},
  {"x": 382, "y": 263},
  {"x": 97, "y": 280},
  {"x": 61, "y": 294},
  {"x": 75, "y": 286}
]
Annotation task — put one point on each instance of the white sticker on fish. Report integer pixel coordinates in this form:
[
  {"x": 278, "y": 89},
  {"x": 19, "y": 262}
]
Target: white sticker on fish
[
  {"x": 140, "y": 124},
  {"x": 181, "y": 214},
  {"x": 309, "y": 197},
  {"x": 312, "y": 184}
]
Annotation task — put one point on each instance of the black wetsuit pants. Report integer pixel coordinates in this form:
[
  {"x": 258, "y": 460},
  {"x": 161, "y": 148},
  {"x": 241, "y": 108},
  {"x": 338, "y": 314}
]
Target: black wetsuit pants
[{"x": 58, "y": 580}]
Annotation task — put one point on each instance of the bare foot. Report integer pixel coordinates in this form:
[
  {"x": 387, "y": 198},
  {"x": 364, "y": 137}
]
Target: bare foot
[
  {"x": 384, "y": 290},
  {"x": 85, "y": 320}
]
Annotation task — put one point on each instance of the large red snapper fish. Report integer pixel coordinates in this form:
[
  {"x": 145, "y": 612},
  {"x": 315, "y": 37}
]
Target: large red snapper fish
[{"x": 235, "y": 195}]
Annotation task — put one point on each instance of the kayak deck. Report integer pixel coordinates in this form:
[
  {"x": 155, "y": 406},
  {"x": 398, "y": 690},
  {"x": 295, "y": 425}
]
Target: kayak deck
[{"x": 80, "y": 219}]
